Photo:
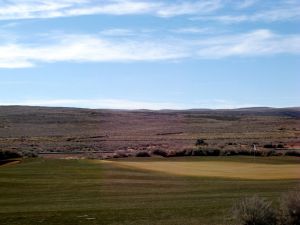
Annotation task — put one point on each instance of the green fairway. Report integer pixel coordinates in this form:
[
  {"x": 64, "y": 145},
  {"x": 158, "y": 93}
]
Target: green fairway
[{"x": 71, "y": 192}]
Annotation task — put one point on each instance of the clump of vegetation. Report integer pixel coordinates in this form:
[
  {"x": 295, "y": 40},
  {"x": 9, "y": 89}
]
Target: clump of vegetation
[
  {"x": 274, "y": 146},
  {"x": 206, "y": 152},
  {"x": 254, "y": 211},
  {"x": 289, "y": 210},
  {"x": 200, "y": 142},
  {"x": 231, "y": 143},
  {"x": 258, "y": 211},
  {"x": 214, "y": 152},
  {"x": 229, "y": 152},
  {"x": 142, "y": 154},
  {"x": 29, "y": 154},
  {"x": 269, "y": 146},
  {"x": 273, "y": 153},
  {"x": 199, "y": 152},
  {"x": 120, "y": 154},
  {"x": 184, "y": 152},
  {"x": 6, "y": 154},
  {"x": 160, "y": 152},
  {"x": 292, "y": 153}
]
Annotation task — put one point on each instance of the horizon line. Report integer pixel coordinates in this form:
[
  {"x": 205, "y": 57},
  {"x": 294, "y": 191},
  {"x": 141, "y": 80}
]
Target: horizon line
[{"x": 147, "y": 109}]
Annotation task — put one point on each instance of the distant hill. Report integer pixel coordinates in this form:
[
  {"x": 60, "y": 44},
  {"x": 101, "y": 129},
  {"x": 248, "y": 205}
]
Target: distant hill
[{"x": 74, "y": 129}]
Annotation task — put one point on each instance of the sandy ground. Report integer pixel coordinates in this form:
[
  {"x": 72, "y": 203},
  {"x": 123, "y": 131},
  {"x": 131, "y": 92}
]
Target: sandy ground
[{"x": 253, "y": 171}]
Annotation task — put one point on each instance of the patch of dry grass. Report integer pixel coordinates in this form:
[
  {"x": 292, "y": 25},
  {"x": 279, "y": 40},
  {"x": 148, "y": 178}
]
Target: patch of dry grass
[{"x": 222, "y": 169}]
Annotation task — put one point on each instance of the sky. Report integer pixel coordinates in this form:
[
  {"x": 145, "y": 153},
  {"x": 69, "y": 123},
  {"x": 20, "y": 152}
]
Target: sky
[{"x": 142, "y": 54}]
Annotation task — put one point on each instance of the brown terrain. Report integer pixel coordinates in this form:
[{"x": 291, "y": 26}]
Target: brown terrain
[{"x": 86, "y": 132}]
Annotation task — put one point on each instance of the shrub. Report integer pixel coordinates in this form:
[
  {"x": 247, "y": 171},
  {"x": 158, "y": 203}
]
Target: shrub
[
  {"x": 229, "y": 152},
  {"x": 120, "y": 154},
  {"x": 280, "y": 146},
  {"x": 142, "y": 154},
  {"x": 292, "y": 153},
  {"x": 188, "y": 152},
  {"x": 254, "y": 211},
  {"x": 289, "y": 210},
  {"x": 248, "y": 152},
  {"x": 185, "y": 152},
  {"x": 171, "y": 153},
  {"x": 273, "y": 153},
  {"x": 200, "y": 142},
  {"x": 199, "y": 152},
  {"x": 6, "y": 154},
  {"x": 269, "y": 146},
  {"x": 160, "y": 152},
  {"x": 30, "y": 154},
  {"x": 244, "y": 152},
  {"x": 206, "y": 152},
  {"x": 215, "y": 152}
]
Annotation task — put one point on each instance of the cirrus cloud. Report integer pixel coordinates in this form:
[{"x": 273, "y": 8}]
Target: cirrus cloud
[
  {"x": 93, "y": 48},
  {"x": 28, "y": 9}
]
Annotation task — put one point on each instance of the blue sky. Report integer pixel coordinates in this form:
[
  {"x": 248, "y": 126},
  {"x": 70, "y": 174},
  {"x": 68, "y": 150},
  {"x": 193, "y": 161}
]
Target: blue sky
[{"x": 134, "y": 54}]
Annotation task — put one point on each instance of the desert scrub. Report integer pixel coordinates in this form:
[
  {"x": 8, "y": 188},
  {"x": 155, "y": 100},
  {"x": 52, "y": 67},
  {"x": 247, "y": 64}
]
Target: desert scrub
[
  {"x": 254, "y": 211},
  {"x": 160, "y": 152},
  {"x": 8, "y": 154},
  {"x": 142, "y": 154},
  {"x": 289, "y": 210}
]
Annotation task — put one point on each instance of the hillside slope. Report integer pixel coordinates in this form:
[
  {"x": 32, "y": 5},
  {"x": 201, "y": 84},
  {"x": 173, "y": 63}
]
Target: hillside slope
[{"x": 45, "y": 129}]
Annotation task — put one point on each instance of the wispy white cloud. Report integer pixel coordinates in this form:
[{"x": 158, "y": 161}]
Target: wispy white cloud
[
  {"x": 130, "y": 104},
  {"x": 25, "y": 9},
  {"x": 245, "y": 3},
  {"x": 256, "y": 43},
  {"x": 116, "y": 7},
  {"x": 270, "y": 11},
  {"x": 109, "y": 103},
  {"x": 85, "y": 48},
  {"x": 118, "y": 32},
  {"x": 189, "y": 8},
  {"x": 99, "y": 103},
  {"x": 223, "y": 104},
  {"x": 192, "y": 30},
  {"x": 89, "y": 48},
  {"x": 285, "y": 11}
]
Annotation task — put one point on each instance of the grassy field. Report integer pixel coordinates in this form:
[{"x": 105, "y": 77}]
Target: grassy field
[
  {"x": 254, "y": 171},
  {"x": 71, "y": 192}
]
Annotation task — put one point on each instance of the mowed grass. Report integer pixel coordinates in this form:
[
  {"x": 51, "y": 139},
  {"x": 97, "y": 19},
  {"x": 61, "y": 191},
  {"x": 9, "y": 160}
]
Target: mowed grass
[
  {"x": 70, "y": 192},
  {"x": 220, "y": 169}
]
